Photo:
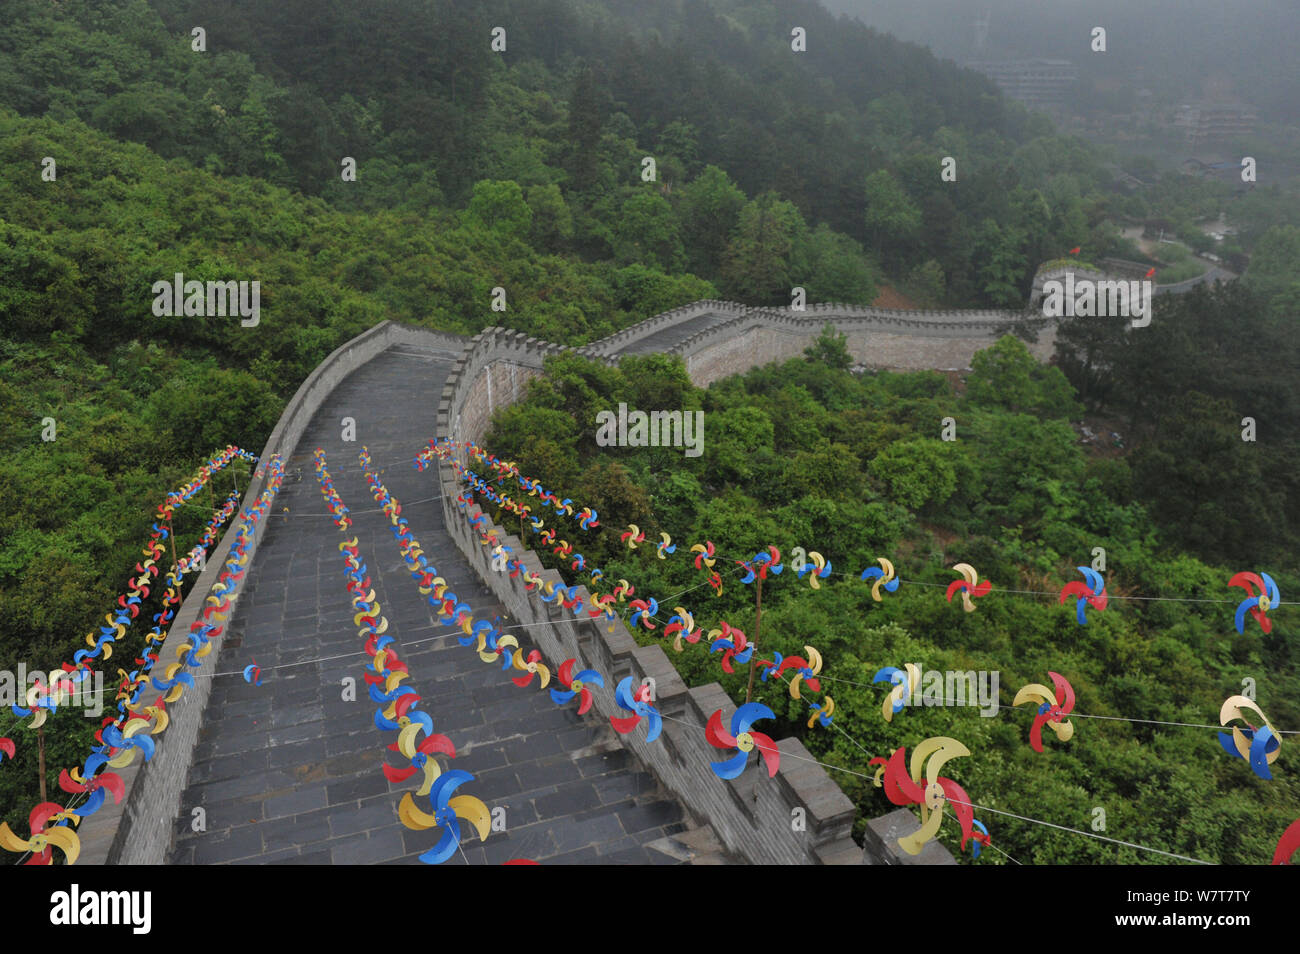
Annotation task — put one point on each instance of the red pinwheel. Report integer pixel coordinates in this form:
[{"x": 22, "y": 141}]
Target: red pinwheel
[
  {"x": 575, "y": 685},
  {"x": 743, "y": 739},
  {"x": 703, "y": 554},
  {"x": 1091, "y": 593},
  {"x": 643, "y": 612},
  {"x": 967, "y": 586},
  {"x": 7, "y": 747},
  {"x": 734, "y": 644},
  {"x": 1262, "y": 595}
]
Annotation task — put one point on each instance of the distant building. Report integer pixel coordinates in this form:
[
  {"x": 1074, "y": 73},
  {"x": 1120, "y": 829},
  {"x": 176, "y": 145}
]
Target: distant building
[
  {"x": 1214, "y": 122},
  {"x": 1039, "y": 84}
]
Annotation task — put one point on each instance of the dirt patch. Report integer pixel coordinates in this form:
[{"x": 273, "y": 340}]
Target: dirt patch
[{"x": 891, "y": 297}]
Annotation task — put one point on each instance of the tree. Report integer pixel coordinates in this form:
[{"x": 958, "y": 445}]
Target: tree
[
  {"x": 552, "y": 225},
  {"x": 891, "y": 218},
  {"x": 916, "y": 473},
  {"x": 834, "y": 268},
  {"x": 708, "y": 208},
  {"x": 830, "y": 348},
  {"x": 756, "y": 266},
  {"x": 646, "y": 233},
  {"x": 499, "y": 207}
]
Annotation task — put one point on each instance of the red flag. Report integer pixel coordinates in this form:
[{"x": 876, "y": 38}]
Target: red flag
[
  {"x": 1075, "y": 250},
  {"x": 1150, "y": 272}
]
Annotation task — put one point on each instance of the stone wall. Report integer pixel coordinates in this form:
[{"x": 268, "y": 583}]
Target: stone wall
[
  {"x": 139, "y": 830},
  {"x": 753, "y": 816}
]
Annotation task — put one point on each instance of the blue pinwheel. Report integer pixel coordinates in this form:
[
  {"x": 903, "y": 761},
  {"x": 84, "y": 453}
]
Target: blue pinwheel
[
  {"x": 743, "y": 739},
  {"x": 447, "y": 813},
  {"x": 636, "y": 701}
]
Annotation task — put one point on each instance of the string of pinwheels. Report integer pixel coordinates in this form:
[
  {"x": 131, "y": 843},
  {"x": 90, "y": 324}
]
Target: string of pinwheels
[
  {"x": 1260, "y": 589},
  {"x": 54, "y": 826},
  {"x": 399, "y": 705},
  {"x": 1090, "y": 593}
]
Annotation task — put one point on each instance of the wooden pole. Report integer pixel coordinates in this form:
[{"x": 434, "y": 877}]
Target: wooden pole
[
  {"x": 171, "y": 535},
  {"x": 40, "y": 757},
  {"x": 753, "y": 660}
]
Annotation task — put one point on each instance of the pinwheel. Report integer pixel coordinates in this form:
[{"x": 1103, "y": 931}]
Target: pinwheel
[
  {"x": 682, "y": 624},
  {"x": 715, "y": 581},
  {"x": 822, "y": 712},
  {"x": 498, "y": 647},
  {"x": 904, "y": 788},
  {"x": 743, "y": 739},
  {"x": 818, "y": 566},
  {"x": 420, "y": 753},
  {"x": 806, "y": 670},
  {"x": 632, "y": 536},
  {"x": 603, "y": 604},
  {"x": 253, "y": 673},
  {"x": 39, "y": 702},
  {"x": 573, "y": 600},
  {"x": 643, "y": 611},
  {"x": 79, "y": 781},
  {"x": 1288, "y": 844},
  {"x": 1050, "y": 711},
  {"x": 665, "y": 546},
  {"x": 447, "y": 812},
  {"x": 967, "y": 586},
  {"x": 883, "y": 575},
  {"x": 1260, "y": 747},
  {"x": 1091, "y": 593},
  {"x": 533, "y": 666},
  {"x": 564, "y": 506},
  {"x": 575, "y": 685},
  {"x": 1258, "y": 603},
  {"x": 704, "y": 553},
  {"x": 735, "y": 645},
  {"x": 905, "y": 682},
  {"x": 43, "y": 839},
  {"x": 597, "y": 574},
  {"x": 547, "y": 537},
  {"x": 623, "y": 590},
  {"x": 587, "y": 519},
  {"x": 636, "y": 701},
  {"x": 757, "y": 568},
  {"x": 7, "y": 747},
  {"x": 579, "y": 563}
]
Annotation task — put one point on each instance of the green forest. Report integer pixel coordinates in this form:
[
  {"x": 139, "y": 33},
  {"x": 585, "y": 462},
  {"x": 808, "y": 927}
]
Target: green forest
[{"x": 524, "y": 169}]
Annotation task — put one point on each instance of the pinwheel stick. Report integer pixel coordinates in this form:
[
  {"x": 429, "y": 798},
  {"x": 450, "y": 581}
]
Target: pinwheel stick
[{"x": 753, "y": 659}]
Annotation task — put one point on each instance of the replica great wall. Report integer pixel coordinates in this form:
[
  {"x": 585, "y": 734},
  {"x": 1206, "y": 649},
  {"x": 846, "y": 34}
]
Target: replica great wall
[{"x": 290, "y": 772}]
